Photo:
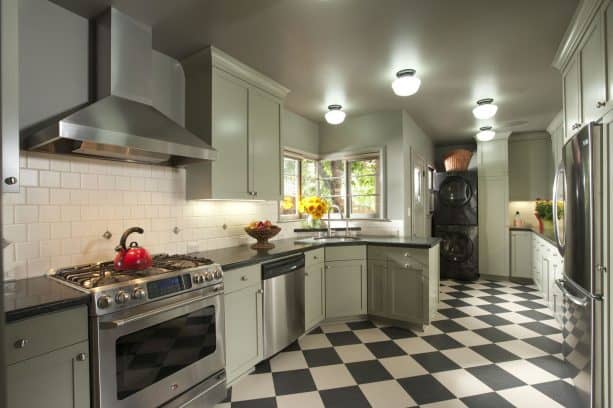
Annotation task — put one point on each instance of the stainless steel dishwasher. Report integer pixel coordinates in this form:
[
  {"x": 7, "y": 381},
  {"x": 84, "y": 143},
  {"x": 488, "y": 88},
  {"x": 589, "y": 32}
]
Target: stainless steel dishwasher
[{"x": 283, "y": 303}]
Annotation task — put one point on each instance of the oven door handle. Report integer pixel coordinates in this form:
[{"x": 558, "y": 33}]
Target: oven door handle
[
  {"x": 122, "y": 322},
  {"x": 581, "y": 302}
]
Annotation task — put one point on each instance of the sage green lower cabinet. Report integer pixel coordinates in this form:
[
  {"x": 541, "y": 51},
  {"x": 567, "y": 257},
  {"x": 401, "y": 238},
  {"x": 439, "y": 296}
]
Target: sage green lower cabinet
[
  {"x": 314, "y": 296},
  {"x": 244, "y": 336},
  {"x": 345, "y": 288},
  {"x": 406, "y": 292},
  {"x": 59, "y": 379},
  {"x": 377, "y": 284}
]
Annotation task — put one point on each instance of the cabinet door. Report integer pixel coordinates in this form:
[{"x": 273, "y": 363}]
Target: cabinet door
[
  {"x": 229, "y": 132},
  {"x": 545, "y": 271},
  {"x": 572, "y": 100},
  {"x": 377, "y": 283},
  {"x": 521, "y": 254},
  {"x": 593, "y": 82},
  {"x": 405, "y": 290},
  {"x": 345, "y": 288},
  {"x": 243, "y": 320},
  {"x": 609, "y": 42},
  {"x": 493, "y": 231},
  {"x": 493, "y": 158},
  {"x": 314, "y": 307},
  {"x": 9, "y": 98},
  {"x": 264, "y": 145},
  {"x": 54, "y": 380}
]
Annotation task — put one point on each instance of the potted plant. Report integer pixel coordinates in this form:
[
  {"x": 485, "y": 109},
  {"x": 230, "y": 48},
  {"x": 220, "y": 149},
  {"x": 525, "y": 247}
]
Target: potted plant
[{"x": 543, "y": 211}]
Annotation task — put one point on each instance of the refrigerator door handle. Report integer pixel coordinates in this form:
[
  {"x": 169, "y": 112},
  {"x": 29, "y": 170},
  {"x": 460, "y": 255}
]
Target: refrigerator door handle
[
  {"x": 582, "y": 302},
  {"x": 556, "y": 228}
]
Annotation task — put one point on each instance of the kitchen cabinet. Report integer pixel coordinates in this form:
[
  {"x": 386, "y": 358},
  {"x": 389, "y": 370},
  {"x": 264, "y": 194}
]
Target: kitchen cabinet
[
  {"x": 345, "y": 288},
  {"x": 608, "y": 23},
  {"x": 572, "y": 98},
  {"x": 593, "y": 81},
  {"x": 243, "y": 322},
  {"x": 314, "y": 288},
  {"x": 406, "y": 290},
  {"x": 493, "y": 158},
  {"x": 531, "y": 168},
  {"x": 377, "y": 287},
  {"x": 47, "y": 367},
  {"x": 521, "y": 254},
  {"x": 238, "y": 111},
  {"x": 493, "y": 229}
]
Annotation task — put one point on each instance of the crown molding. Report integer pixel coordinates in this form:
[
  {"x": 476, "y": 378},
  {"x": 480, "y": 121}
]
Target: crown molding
[
  {"x": 556, "y": 123},
  {"x": 584, "y": 14}
]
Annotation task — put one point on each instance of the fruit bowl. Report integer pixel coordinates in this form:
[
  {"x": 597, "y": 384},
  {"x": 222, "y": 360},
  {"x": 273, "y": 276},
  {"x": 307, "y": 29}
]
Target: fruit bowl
[{"x": 262, "y": 233}]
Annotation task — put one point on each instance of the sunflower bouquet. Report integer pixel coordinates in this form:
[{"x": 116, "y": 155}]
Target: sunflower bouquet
[{"x": 314, "y": 207}]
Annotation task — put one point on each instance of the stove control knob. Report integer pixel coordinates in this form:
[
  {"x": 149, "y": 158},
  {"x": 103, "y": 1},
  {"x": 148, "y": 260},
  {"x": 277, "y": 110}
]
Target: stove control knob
[
  {"x": 218, "y": 274},
  {"x": 121, "y": 297},
  {"x": 104, "y": 302},
  {"x": 198, "y": 279},
  {"x": 138, "y": 294},
  {"x": 208, "y": 276}
]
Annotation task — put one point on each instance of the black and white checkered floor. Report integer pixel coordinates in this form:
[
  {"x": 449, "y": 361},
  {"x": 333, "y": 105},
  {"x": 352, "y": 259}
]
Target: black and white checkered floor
[{"x": 493, "y": 344}]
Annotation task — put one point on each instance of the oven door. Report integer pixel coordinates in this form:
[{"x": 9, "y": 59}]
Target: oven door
[{"x": 150, "y": 354}]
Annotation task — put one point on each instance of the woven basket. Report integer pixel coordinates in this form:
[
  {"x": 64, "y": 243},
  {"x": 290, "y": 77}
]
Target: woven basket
[
  {"x": 263, "y": 235},
  {"x": 457, "y": 160}
]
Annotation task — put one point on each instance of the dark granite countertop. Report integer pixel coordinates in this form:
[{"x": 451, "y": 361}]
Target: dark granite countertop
[
  {"x": 236, "y": 257},
  {"x": 30, "y": 297},
  {"x": 547, "y": 235}
]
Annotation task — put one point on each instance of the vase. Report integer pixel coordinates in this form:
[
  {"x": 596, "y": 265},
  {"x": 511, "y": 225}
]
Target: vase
[
  {"x": 312, "y": 222},
  {"x": 540, "y": 223}
]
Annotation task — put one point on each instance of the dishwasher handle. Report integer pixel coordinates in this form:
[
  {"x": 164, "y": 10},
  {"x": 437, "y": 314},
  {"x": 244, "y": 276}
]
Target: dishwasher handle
[{"x": 283, "y": 266}]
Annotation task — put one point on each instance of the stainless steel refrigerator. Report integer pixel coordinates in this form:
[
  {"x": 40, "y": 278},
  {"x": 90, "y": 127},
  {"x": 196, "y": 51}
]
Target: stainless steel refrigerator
[{"x": 578, "y": 206}]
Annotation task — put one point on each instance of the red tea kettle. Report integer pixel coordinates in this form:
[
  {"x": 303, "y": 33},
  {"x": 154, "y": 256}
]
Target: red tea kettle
[{"x": 132, "y": 257}]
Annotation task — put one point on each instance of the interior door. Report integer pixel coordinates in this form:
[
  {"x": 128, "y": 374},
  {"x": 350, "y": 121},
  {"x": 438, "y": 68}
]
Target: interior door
[{"x": 420, "y": 198}]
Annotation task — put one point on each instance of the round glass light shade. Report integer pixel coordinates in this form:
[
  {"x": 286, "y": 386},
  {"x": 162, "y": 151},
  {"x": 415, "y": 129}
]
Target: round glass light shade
[
  {"x": 335, "y": 115},
  {"x": 406, "y": 83},
  {"x": 485, "y": 109},
  {"x": 485, "y": 134}
]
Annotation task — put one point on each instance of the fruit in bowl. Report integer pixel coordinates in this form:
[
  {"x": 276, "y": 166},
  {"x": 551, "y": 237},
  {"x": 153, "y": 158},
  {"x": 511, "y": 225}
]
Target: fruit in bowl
[{"x": 262, "y": 231}]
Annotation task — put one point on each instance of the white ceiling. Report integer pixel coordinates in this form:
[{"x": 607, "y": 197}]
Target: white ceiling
[{"x": 347, "y": 52}]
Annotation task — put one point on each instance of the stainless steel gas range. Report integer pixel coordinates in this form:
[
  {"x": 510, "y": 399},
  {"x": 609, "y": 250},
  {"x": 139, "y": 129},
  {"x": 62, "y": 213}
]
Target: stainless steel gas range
[{"x": 157, "y": 335}]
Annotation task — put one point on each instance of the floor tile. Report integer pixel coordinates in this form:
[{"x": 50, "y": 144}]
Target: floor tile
[
  {"x": 493, "y": 320},
  {"x": 371, "y": 335},
  {"x": 527, "y": 372},
  {"x": 521, "y": 349},
  {"x": 561, "y": 392},
  {"x": 453, "y": 313},
  {"x": 302, "y": 400},
  {"x": 334, "y": 327},
  {"x": 476, "y": 301},
  {"x": 397, "y": 333},
  {"x": 368, "y": 371},
  {"x": 452, "y": 403},
  {"x": 461, "y": 383},
  {"x": 293, "y": 382},
  {"x": 354, "y": 352},
  {"x": 469, "y": 338},
  {"x": 489, "y": 400},
  {"x": 465, "y": 357},
  {"x": 493, "y": 334},
  {"x": 447, "y": 326},
  {"x": 517, "y": 331},
  {"x": 442, "y": 341},
  {"x": 453, "y": 302},
  {"x": 313, "y": 341},
  {"x": 291, "y": 360},
  {"x": 435, "y": 362},
  {"x": 495, "y": 377},
  {"x": 292, "y": 347},
  {"x": 254, "y": 386},
  {"x": 321, "y": 357},
  {"x": 425, "y": 389},
  {"x": 495, "y": 353},
  {"x": 555, "y": 366},
  {"x": 262, "y": 367},
  {"x": 545, "y": 344},
  {"x": 513, "y": 307},
  {"x": 414, "y": 345},
  {"x": 492, "y": 309},
  {"x": 344, "y": 397},
  {"x": 514, "y": 317},
  {"x": 343, "y": 338},
  {"x": 535, "y": 315},
  {"x": 366, "y": 324},
  {"x": 387, "y": 394},
  {"x": 256, "y": 403},
  {"x": 383, "y": 349},
  {"x": 472, "y": 323},
  {"x": 528, "y": 296},
  {"x": 332, "y": 376},
  {"x": 402, "y": 366},
  {"x": 528, "y": 396}
]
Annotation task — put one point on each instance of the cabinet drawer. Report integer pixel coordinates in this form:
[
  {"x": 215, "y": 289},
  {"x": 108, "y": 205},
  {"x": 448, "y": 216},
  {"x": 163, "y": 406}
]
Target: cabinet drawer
[
  {"x": 345, "y": 253},
  {"x": 398, "y": 255},
  {"x": 242, "y": 278},
  {"x": 314, "y": 256},
  {"x": 42, "y": 334}
]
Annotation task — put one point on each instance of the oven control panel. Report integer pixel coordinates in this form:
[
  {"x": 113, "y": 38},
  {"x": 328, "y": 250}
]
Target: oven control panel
[{"x": 140, "y": 291}]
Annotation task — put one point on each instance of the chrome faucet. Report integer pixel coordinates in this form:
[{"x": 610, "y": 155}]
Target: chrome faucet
[{"x": 338, "y": 209}]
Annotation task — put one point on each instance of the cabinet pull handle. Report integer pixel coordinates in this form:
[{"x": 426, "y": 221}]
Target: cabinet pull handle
[
  {"x": 81, "y": 357},
  {"x": 306, "y": 274},
  {"x": 10, "y": 180},
  {"x": 406, "y": 254},
  {"x": 244, "y": 278},
  {"x": 408, "y": 266},
  {"x": 260, "y": 291},
  {"x": 600, "y": 104},
  {"x": 21, "y": 343}
]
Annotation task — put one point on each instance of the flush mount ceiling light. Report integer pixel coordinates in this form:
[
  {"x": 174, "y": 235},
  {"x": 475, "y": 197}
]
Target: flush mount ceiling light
[
  {"x": 485, "y": 109},
  {"x": 406, "y": 83},
  {"x": 335, "y": 115},
  {"x": 485, "y": 134}
]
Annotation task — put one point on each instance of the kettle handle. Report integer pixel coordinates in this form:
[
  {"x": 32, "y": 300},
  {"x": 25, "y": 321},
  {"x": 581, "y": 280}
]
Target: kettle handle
[{"x": 124, "y": 237}]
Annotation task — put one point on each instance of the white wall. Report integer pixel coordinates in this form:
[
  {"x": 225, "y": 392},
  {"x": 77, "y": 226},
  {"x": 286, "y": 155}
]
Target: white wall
[{"x": 299, "y": 133}]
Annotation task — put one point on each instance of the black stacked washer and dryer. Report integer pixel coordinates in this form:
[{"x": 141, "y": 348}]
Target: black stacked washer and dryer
[{"x": 456, "y": 223}]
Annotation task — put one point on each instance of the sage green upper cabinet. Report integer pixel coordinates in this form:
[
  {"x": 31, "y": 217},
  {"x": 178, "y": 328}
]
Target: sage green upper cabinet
[
  {"x": 593, "y": 82},
  {"x": 572, "y": 100},
  {"x": 531, "y": 168},
  {"x": 608, "y": 22},
  {"x": 264, "y": 145},
  {"x": 238, "y": 111}
]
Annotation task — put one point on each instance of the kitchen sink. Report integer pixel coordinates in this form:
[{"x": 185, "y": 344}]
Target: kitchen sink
[{"x": 324, "y": 240}]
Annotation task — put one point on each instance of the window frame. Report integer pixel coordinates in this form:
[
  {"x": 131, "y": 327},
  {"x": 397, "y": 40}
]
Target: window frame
[{"x": 355, "y": 155}]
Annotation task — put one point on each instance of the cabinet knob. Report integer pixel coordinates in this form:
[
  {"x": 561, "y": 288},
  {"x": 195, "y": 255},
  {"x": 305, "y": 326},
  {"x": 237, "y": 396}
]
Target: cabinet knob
[
  {"x": 21, "y": 343},
  {"x": 81, "y": 357},
  {"x": 10, "y": 180},
  {"x": 407, "y": 266},
  {"x": 406, "y": 254},
  {"x": 260, "y": 291},
  {"x": 244, "y": 278},
  {"x": 600, "y": 104},
  {"x": 306, "y": 274}
]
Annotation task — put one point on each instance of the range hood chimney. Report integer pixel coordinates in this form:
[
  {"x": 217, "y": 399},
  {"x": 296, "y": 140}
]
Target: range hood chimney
[{"x": 122, "y": 124}]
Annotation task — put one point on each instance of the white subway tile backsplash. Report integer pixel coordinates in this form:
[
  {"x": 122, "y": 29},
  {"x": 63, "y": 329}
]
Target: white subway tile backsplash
[
  {"x": 50, "y": 213},
  {"x": 89, "y": 181},
  {"x": 26, "y": 213},
  {"x": 59, "y": 163},
  {"x": 71, "y": 180},
  {"x": 49, "y": 178},
  {"x": 15, "y": 233},
  {"x": 106, "y": 182},
  {"x": 28, "y": 178},
  {"x": 37, "y": 196},
  {"x": 59, "y": 230},
  {"x": 59, "y": 196},
  {"x": 70, "y": 213},
  {"x": 38, "y": 232},
  {"x": 37, "y": 162},
  {"x": 26, "y": 250}
]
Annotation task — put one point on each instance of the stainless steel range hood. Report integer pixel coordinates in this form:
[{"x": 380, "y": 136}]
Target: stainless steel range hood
[{"x": 122, "y": 124}]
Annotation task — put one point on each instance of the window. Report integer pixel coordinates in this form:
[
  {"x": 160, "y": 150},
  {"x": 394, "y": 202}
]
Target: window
[{"x": 353, "y": 183}]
